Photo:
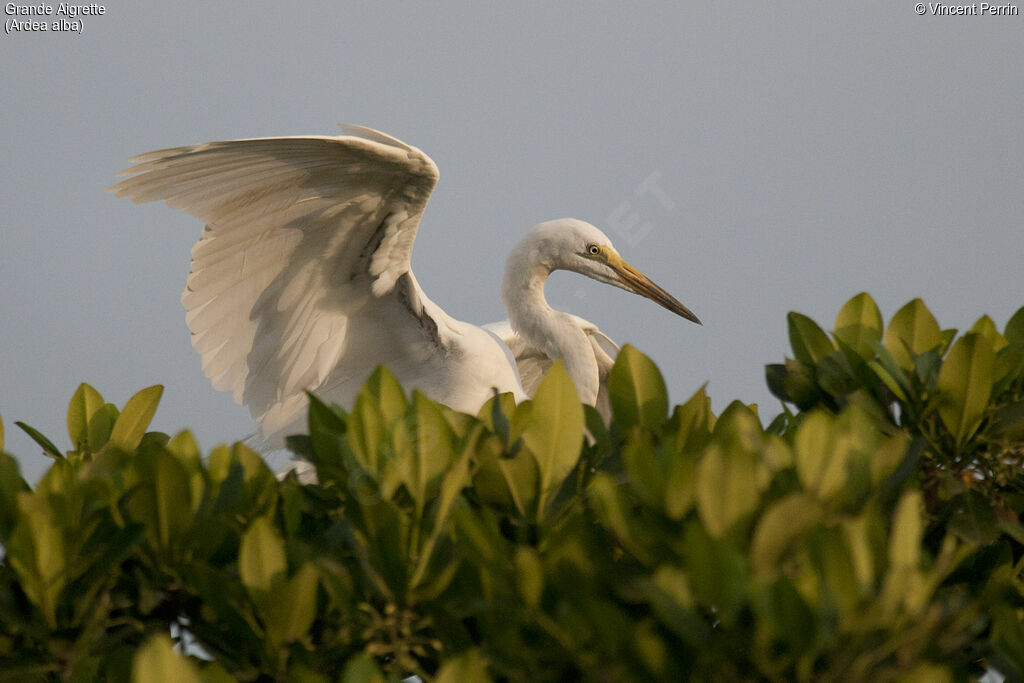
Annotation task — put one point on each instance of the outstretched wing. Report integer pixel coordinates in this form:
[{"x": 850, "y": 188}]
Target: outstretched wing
[
  {"x": 533, "y": 363},
  {"x": 301, "y": 233}
]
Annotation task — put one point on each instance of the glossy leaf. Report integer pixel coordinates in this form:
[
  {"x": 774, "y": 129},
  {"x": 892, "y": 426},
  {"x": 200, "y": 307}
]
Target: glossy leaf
[
  {"x": 135, "y": 418},
  {"x": 262, "y": 563},
  {"x": 779, "y": 527},
  {"x": 810, "y": 343},
  {"x": 529, "y": 575},
  {"x": 387, "y": 393},
  {"x": 362, "y": 669},
  {"x": 913, "y": 329},
  {"x": 48, "y": 447},
  {"x": 85, "y": 402},
  {"x": 681, "y": 486},
  {"x": 717, "y": 572},
  {"x": 100, "y": 426},
  {"x": 822, "y": 455},
  {"x": 172, "y": 498},
  {"x": 637, "y": 390},
  {"x": 37, "y": 553},
  {"x": 794, "y": 383},
  {"x": 889, "y": 371},
  {"x": 693, "y": 421},
  {"x": 965, "y": 383},
  {"x": 157, "y": 661},
  {"x": 423, "y": 451},
  {"x": 727, "y": 489},
  {"x": 859, "y": 321},
  {"x": 466, "y": 666},
  {"x": 907, "y": 528},
  {"x": 291, "y": 608},
  {"x": 553, "y": 431},
  {"x": 986, "y": 327},
  {"x": 1014, "y": 331}
]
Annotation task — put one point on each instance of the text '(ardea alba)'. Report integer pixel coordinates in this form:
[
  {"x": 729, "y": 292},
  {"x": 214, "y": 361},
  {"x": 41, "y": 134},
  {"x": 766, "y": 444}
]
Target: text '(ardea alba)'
[{"x": 302, "y": 280}]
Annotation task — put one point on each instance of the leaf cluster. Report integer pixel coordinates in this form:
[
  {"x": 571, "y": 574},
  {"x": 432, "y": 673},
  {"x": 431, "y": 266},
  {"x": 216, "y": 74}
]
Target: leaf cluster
[{"x": 871, "y": 533}]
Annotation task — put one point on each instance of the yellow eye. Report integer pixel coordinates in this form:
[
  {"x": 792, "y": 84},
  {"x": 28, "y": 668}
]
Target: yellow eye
[{"x": 593, "y": 249}]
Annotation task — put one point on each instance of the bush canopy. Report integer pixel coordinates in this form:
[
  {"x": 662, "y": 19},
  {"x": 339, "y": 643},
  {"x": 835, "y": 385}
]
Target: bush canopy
[{"x": 870, "y": 532}]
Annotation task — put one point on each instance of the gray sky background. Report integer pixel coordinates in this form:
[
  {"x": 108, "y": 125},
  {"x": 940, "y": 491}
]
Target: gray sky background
[{"x": 802, "y": 152}]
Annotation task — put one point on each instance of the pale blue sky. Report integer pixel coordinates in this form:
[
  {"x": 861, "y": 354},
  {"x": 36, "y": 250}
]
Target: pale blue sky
[{"x": 801, "y": 152}]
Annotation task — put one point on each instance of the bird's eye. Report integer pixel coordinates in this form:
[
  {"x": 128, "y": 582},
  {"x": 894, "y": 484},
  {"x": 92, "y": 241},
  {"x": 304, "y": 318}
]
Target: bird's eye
[{"x": 593, "y": 249}]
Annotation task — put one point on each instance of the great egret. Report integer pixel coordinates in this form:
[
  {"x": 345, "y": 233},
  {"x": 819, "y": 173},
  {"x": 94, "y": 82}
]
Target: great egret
[{"x": 301, "y": 280}]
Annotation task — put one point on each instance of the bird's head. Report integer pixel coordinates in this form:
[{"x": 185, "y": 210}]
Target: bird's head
[{"x": 571, "y": 244}]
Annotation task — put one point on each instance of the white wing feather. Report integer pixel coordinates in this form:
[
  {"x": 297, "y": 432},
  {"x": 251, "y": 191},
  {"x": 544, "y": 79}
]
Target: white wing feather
[{"x": 301, "y": 233}]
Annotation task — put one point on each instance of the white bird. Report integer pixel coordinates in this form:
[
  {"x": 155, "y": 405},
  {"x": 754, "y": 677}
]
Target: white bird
[{"x": 302, "y": 280}]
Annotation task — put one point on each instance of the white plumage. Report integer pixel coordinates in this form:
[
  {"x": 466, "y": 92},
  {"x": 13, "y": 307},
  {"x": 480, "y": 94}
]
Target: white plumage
[{"x": 302, "y": 280}]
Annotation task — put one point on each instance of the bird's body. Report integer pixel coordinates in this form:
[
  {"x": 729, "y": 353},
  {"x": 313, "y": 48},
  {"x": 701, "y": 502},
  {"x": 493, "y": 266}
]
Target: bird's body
[{"x": 302, "y": 280}]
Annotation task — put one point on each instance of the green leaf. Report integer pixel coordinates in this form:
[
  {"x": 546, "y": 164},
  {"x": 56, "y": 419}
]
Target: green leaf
[
  {"x": 681, "y": 486},
  {"x": 810, "y": 343},
  {"x": 366, "y": 434},
  {"x": 521, "y": 475},
  {"x": 912, "y": 330},
  {"x": 465, "y": 666},
  {"x": 48, "y": 447},
  {"x": 1014, "y": 331},
  {"x": 778, "y": 528},
  {"x": 1008, "y": 640},
  {"x": 262, "y": 564},
  {"x": 718, "y": 572},
  {"x": 986, "y": 327},
  {"x": 11, "y": 484},
  {"x": 423, "y": 451},
  {"x": 787, "y": 612},
  {"x": 965, "y": 383},
  {"x": 184, "y": 446},
  {"x": 135, "y": 418},
  {"x": 793, "y": 383},
  {"x": 904, "y": 588},
  {"x": 387, "y": 392},
  {"x": 834, "y": 374},
  {"x": 529, "y": 575},
  {"x": 928, "y": 672},
  {"x": 637, "y": 390},
  {"x": 646, "y": 469},
  {"x": 692, "y": 422},
  {"x": 973, "y": 518},
  {"x": 37, "y": 552},
  {"x": 100, "y": 425},
  {"x": 553, "y": 430},
  {"x": 1008, "y": 422},
  {"x": 834, "y": 455},
  {"x": 888, "y": 370},
  {"x": 291, "y": 608},
  {"x": 612, "y": 508},
  {"x": 84, "y": 404},
  {"x": 362, "y": 669},
  {"x": 157, "y": 661},
  {"x": 907, "y": 530},
  {"x": 859, "y": 320},
  {"x": 727, "y": 489},
  {"x": 173, "y": 498}
]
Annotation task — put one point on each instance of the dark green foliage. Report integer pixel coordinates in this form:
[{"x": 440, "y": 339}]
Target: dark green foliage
[{"x": 872, "y": 535}]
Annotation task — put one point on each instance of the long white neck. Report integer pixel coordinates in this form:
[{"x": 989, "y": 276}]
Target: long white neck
[{"x": 533, "y": 319}]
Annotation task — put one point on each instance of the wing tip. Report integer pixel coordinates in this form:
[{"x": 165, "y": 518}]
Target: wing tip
[{"x": 367, "y": 133}]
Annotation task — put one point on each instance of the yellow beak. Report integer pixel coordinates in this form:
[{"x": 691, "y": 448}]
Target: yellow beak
[{"x": 636, "y": 281}]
